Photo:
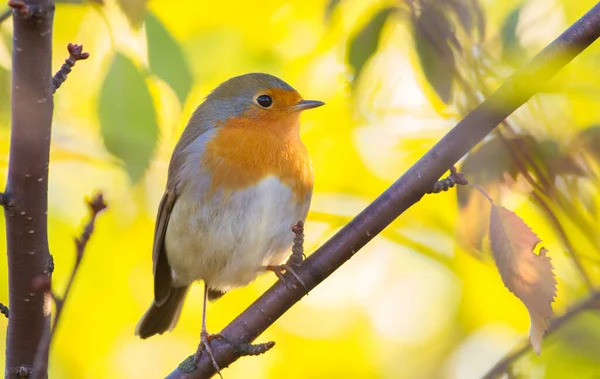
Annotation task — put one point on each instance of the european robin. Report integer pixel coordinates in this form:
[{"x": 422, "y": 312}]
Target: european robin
[{"x": 238, "y": 180}]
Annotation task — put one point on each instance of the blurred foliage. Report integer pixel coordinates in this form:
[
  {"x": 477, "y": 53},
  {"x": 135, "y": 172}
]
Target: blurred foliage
[
  {"x": 423, "y": 300},
  {"x": 127, "y": 116},
  {"x": 166, "y": 59},
  {"x": 365, "y": 43}
]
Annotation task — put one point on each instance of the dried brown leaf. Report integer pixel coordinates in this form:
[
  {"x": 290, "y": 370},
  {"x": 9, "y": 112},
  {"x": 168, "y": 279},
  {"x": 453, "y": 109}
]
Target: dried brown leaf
[{"x": 527, "y": 275}]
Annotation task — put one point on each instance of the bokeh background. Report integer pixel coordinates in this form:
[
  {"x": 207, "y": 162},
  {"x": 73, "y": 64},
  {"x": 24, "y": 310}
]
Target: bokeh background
[{"x": 423, "y": 299}]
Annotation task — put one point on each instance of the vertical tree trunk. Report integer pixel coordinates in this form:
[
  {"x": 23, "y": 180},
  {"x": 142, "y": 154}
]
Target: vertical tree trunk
[{"x": 27, "y": 183}]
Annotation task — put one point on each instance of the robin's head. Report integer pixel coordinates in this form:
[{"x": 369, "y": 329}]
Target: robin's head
[{"x": 257, "y": 96}]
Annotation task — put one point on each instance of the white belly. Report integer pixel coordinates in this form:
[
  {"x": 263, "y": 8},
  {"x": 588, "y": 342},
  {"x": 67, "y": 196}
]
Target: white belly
[{"x": 227, "y": 241}]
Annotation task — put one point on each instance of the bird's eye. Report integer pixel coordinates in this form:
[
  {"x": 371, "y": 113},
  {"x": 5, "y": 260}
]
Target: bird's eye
[{"x": 264, "y": 101}]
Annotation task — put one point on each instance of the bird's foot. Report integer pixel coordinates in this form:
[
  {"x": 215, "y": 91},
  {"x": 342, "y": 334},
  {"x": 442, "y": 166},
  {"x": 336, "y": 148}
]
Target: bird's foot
[
  {"x": 204, "y": 346},
  {"x": 295, "y": 259},
  {"x": 241, "y": 349},
  {"x": 279, "y": 269}
]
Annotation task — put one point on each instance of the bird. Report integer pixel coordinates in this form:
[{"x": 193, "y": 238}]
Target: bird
[{"x": 239, "y": 178}]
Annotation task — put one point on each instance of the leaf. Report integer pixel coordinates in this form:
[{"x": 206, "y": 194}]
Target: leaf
[
  {"x": 589, "y": 139},
  {"x": 511, "y": 47},
  {"x": 330, "y": 8},
  {"x": 470, "y": 15},
  {"x": 135, "y": 10},
  {"x": 365, "y": 43},
  {"x": 431, "y": 33},
  {"x": 527, "y": 275},
  {"x": 166, "y": 58},
  {"x": 555, "y": 161},
  {"x": 127, "y": 116},
  {"x": 491, "y": 161},
  {"x": 474, "y": 223}
]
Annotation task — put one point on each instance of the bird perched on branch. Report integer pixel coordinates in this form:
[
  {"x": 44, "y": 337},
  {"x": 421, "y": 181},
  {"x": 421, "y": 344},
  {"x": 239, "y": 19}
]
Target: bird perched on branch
[{"x": 238, "y": 180}]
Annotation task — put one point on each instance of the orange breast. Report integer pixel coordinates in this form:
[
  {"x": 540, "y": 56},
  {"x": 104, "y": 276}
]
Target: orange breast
[{"x": 245, "y": 150}]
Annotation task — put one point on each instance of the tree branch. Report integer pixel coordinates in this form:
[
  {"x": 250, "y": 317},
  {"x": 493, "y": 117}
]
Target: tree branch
[
  {"x": 27, "y": 182},
  {"x": 405, "y": 192},
  {"x": 42, "y": 284},
  {"x": 75, "y": 54},
  {"x": 499, "y": 368}
]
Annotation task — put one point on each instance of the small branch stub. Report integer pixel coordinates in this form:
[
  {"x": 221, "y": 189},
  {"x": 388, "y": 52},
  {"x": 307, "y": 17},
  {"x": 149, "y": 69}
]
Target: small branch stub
[
  {"x": 253, "y": 349},
  {"x": 21, "y": 372},
  {"x": 75, "y": 54},
  {"x": 453, "y": 179},
  {"x": 26, "y": 10},
  {"x": 4, "y": 310},
  {"x": 5, "y": 200}
]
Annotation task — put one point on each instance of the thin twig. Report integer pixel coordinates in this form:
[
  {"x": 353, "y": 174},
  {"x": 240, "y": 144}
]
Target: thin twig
[
  {"x": 499, "y": 368},
  {"x": 405, "y": 192},
  {"x": 75, "y": 54},
  {"x": 5, "y": 15},
  {"x": 482, "y": 191},
  {"x": 96, "y": 206},
  {"x": 4, "y": 310}
]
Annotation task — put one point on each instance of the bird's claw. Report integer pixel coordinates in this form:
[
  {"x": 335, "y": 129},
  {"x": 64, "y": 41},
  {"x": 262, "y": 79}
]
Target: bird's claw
[
  {"x": 205, "y": 339},
  {"x": 241, "y": 349},
  {"x": 278, "y": 270}
]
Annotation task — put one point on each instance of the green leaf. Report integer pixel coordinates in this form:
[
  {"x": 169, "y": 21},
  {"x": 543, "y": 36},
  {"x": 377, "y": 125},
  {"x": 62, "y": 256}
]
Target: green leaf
[
  {"x": 432, "y": 32},
  {"x": 554, "y": 161},
  {"x": 127, "y": 116},
  {"x": 166, "y": 58},
  {"x": 589, "y": 140},
  {"x": 135, "y": 10},
  {"x": 508, "y": 34},
  {"x": 365, "y": 43}
]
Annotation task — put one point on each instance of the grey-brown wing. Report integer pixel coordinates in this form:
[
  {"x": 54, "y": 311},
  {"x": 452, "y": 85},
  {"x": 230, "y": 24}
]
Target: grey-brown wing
[{"x": 162, "y": 270}]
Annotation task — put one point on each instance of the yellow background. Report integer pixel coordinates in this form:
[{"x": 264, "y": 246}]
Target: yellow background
[{"x": 412, "y": 304}]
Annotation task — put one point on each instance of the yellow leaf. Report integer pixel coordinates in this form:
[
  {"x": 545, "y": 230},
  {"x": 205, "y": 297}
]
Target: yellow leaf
[{"x": 526, "y": 274}]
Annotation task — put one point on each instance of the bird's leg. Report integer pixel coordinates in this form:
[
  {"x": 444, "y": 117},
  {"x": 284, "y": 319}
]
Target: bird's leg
[
  {"x": 295, "y": 258},
  {"x": 205, "y": 338},
  {"x": 241, "y": 349}
]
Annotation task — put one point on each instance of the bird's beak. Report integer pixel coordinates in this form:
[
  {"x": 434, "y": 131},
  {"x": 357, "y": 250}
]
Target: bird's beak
[{"x": 306, "y": 104}]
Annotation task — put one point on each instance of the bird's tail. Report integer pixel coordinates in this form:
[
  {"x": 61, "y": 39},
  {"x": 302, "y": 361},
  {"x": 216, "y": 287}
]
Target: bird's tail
[{"x": 158, "y": 320}]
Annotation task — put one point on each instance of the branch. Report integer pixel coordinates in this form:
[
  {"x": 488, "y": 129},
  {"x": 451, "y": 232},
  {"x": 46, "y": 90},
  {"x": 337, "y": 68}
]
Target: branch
[
  {"x": 499, "y": 368},
  {"x": 75, "y": 54},
  {"x": 27, "y": 181},
  {"x": 405, "y": 192},
  {"x": 42, "y": 284}
]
